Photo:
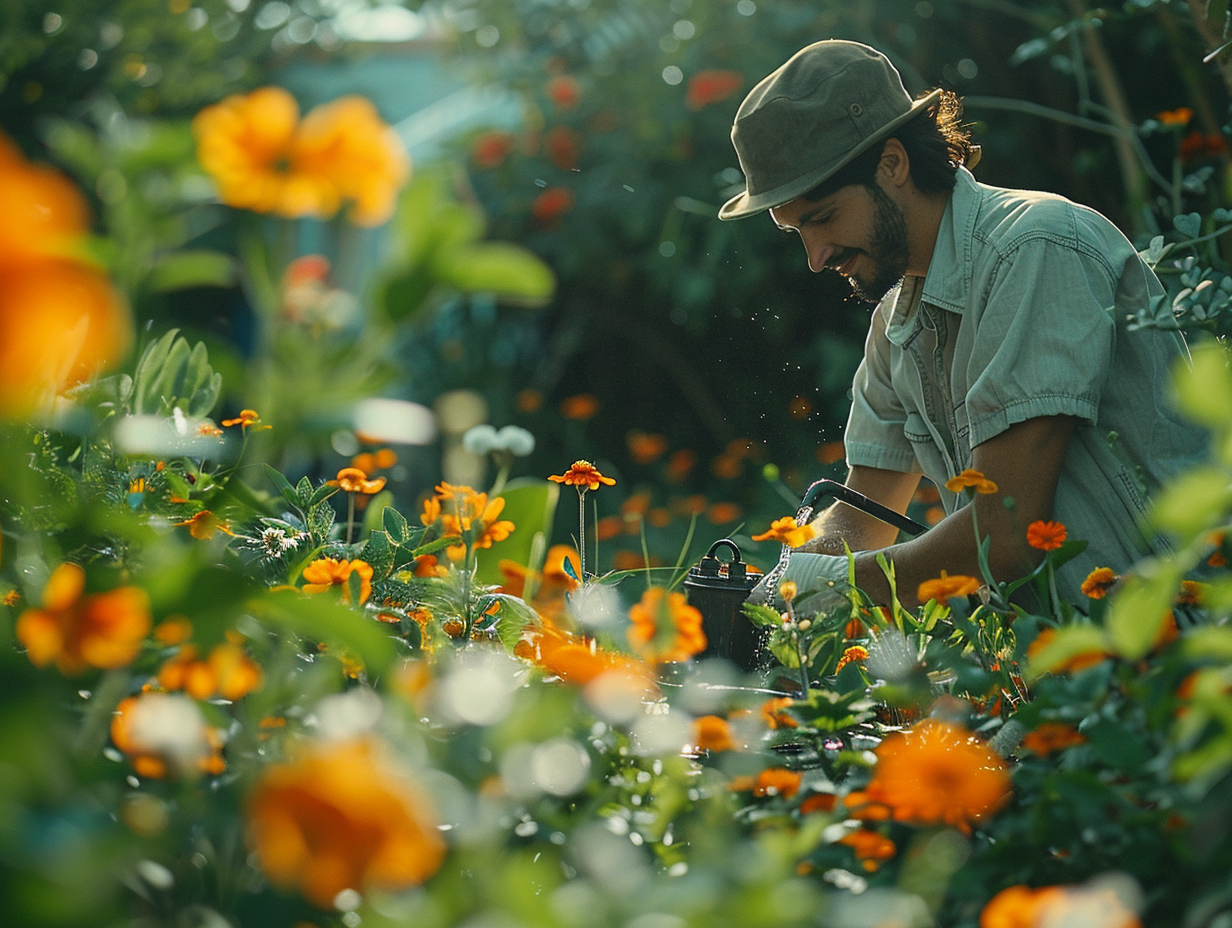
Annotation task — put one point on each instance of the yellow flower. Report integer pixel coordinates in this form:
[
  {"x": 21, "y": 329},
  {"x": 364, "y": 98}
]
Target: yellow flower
[
  {"x": 945, "y": 587},
  {"x": 61, "y": 321},
  {"x": 339, "y": 816},
  {"x": 856, "y": 654},
  {"x": 205, "y": 525},
  {"x": 583, "y": 474},
  {"x": 354, "y": 480},
  {"x": 246, "y": 418},
  {"x": 871, "y": 847},
  {"x": 1052, "y": 736},
  {"x": 970, "y": 478},
  {"x": 665, "y": 627},
  {"x": 786, "y": 531},
  {"x": 103, "y": 630},
  {"x": 325, "y": 573},
  {"x": 1099, "y": 582},
  {"x": 458, "y": 510},
  {"x": 712, "y": 733},
  {"x": 937, "y": 773}
]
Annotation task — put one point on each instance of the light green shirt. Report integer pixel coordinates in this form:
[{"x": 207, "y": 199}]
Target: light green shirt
[{"x": 1024, "y": 313}]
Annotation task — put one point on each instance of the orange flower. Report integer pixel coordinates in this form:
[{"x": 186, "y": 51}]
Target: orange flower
[
  {"x": 777, "y": 781},
  {"x": 11, "y": 598},
  {"x": 564, "y": 147},
  {"x": 722, "y": 513},
  {"x": 818, "y": 802},
  {"x": 577, "y": 660},
  {"x": 581, "y": 406},
  {"x": 583, "y": 474},
  {"x": 1099, "y": 582},
  {"x": 938, "y": 773},
  {"x": 263, "y": 158},
  {"x": 426, "y": 565},
  {"x": 1052, "y": 736},
  {"x": 1191, "y": 593},
  {"x": 564, "y": 91},
  {"x": 973, "y": 479},
  {"x": 369, "y": 461},
  {"x": 773, "y": 715},
  {"x": 1023, "y": 907},
  {"x": 162, "y": 734},
  {"x": 490, "y": 149},
  {"x": 228, "y": 672},
  {"x": 459, "y": 511},
  {"x": 645, "y": 447},
  {"x": 665, "y": 627},
  {"x": 945, "y": 587},
  {"x": 712, "y": 86},
  {"x": 1046, "y": 536},
  {"x": 714, "y": 734},
  {"x": 246, "y": 418},
  {"x": 1199, "y": 145},
  {"x": 1016, "y": 907},
  {"x": 61, "y": 321},
  {"x": 205, "y": 430},
  {"x": 831, "y": 452},
  {"x": 77, "y": 631},
  {"x": 551, "y": 204},
  {"x": 325, "y": 573},
  {"x": 856, "y": 654},
  {"x": 205, "y": 525},
  {"x": 680, "y": 464},
  {"x": 786, "y": 531},
  {"x": 871, "y": 847},
  {"x": 354, "y": 480},
  {"x": 1177, "y": 117},
  {"x": 339, "y": 816}
]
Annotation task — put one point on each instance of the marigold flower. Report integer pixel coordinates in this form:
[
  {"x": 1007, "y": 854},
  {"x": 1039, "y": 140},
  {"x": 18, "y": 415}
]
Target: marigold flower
[
  {"x": 61, "y": 321},
  {"x": 206, "y": 430},
  {"x": 773, "y": 714},
  {"x": 1197, "y": 145},
  {"x": 580, "y": 406},
  {"x": 371, "y": 461},
  {"x": 856, "y": 654},
  {"x": 938, "y": 773},
  {"x": 1177, "y": 117},
  {"x": 162, "y": 734},
  {"x": 583, "y": 474},
  {"x": 722, "y": 513},
  {"x": 577, "y": 660},
  {"x": 786, "y": 531},
  {"x": 246, "y": 418},
  {"x": 354, "y": 480},
  {"x": 1016, "y": 907},
  {"x": 77, "y": 631},
  {"x": 490, "y": 149},
  {"x": 818, "y": 802},
  {"x": 665, "y": 627},
  {"x": 973, "y": 479},
  {"x": 947, "y": 587},
  {"x": 11, "y": 598},
  {"x": 645, "y": 447},
  {"x": 777, "y": 781},
  {"x": 460, "y": 510},
  {"x": 831, "y": 452},
  {"x": 788, "y": 590},
  {"x": 326, "y": 572},
  {"x": 871, "y": 847},
  {"x": 1046, "y": 536},
  {"x": 713, "y": 733},
  {"x": 1098, "y": 582},
  {"x": 1052, "y": 736},
  {"x": 338, "y": 816},
  {"x": 1054, "y": 906},
  {"x": 564, "y": 147},
  {"x": 551, "y": 204},
  {"x": 1191, "y": 593},
  {"x": 564, "y": 91},
  {"x": 205, "y": 525},
  {"x": 712, "y": 86},
  {"x": 680, "y": 464},
  {"x": 426, "y": 565}
]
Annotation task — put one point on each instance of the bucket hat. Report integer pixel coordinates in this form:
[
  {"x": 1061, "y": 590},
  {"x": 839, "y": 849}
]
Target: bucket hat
[{"x": 828, "y": 103}]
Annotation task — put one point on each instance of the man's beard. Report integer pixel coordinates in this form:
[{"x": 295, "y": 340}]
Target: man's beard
[{"x": 888, "y": 250}]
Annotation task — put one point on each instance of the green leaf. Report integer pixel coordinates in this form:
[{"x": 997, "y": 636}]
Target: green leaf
[
  {"x": 511, "y": 272},
  {"x": 1189, "y": 225},
  {"x": 395, "y": 525},
  {"x": 324, "y": 618},
  {"x": 183, "y": 269},
  {"x": 379, "y": 554},
  {"x": 1208, "y": 642},
  {"x": 1203, "y": 388},
  {"x": 1117, "y": 746},
  {"x": 514, "y": 615},
  {"x": 530, "y": 504},
  {"x": 762, "y": 616},
  {"x": 783, "y": 648},
  {"x": 1136, "y": 612},
  {"x": 1193, "y": 503},
  {"x": 1068, "y": 643},
  {"x": 283, "y": 485}
]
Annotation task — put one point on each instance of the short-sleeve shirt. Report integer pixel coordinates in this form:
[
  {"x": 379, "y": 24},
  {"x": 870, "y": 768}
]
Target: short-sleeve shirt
[{"x": 1025, "y": 311}]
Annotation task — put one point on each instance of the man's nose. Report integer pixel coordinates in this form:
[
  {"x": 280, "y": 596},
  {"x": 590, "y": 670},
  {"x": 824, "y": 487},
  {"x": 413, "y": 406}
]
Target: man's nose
[{"x": 819, "y": 255}]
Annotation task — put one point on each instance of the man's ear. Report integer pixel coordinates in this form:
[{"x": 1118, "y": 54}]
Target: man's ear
[{"x": 894, "y": 168}]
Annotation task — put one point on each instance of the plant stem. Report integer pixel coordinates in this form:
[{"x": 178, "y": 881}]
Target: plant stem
[
  {"x": 350, "y": 515},
  {"x": 582, "y": 531}
]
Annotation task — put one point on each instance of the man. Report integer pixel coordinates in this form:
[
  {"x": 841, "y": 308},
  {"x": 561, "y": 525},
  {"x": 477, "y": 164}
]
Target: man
[{"x": 999, "y": 341}]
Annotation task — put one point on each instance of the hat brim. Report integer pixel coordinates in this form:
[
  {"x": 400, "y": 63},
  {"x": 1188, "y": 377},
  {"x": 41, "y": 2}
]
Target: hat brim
[{"x": 742, "y": 205}]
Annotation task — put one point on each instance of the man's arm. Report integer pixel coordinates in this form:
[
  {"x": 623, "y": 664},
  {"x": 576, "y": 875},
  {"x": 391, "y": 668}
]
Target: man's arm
[
  {"x": 842, "y": 523},
  {"x": 1025, "y": 462}
]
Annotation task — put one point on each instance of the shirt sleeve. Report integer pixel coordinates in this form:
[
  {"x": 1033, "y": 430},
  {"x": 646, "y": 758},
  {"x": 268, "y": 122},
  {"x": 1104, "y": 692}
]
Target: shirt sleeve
[
  {"x": 874, "y": 434},
  {"x": 1043, "y": 341}
]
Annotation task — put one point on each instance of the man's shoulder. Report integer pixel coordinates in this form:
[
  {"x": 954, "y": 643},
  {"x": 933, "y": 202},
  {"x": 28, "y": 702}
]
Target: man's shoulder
[{"x": 1007, "y": 218}]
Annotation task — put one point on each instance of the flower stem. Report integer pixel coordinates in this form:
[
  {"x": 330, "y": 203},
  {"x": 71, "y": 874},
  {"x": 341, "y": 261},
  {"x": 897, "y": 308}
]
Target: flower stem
[
  {"x": 582, "y": 531},
  {"x": 350, "y": 515}
]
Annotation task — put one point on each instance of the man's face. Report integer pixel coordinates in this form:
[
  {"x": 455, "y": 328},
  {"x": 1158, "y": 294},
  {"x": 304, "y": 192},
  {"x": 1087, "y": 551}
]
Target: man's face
[{"x": 858, "y": 231}]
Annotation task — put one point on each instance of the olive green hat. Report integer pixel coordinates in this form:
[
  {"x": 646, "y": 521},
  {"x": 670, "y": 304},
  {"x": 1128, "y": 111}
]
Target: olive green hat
[{"x": 828, "y": 103}]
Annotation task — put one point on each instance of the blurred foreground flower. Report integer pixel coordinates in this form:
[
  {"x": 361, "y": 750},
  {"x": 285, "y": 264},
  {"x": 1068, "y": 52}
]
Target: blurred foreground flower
[
  {"x": 264, "y": 158},
  {"x": 103, "y": 630},
  {"x": 61, "y": 321},
  {"x": 337, "y": 816},
  {"x": 1057, "y": 907},
  {"x": 665, "y": 627},
  {"x": 164, "y": 734},
  {"x": 326, "y": 572},
  {"x": 786, "y": 531},
  {"x": 937, "y": 773},
  {"x": 971, "y": 479},
  {"x": 713, "y": 86},
  {"x": 947, "y": 587}
]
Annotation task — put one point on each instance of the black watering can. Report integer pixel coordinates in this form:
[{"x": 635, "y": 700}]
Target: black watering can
[{"x": 718, "y": 589}]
